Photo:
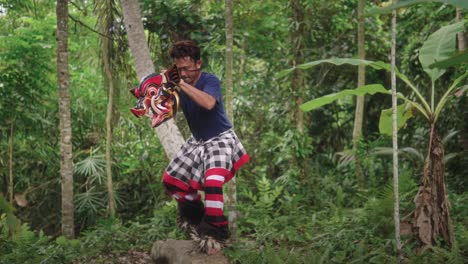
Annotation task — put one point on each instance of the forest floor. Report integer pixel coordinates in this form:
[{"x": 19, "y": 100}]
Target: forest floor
[{"x": 130, "y": 257}]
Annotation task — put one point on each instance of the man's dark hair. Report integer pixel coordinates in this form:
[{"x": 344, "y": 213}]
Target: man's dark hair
[{"x": 185, "y": 48}]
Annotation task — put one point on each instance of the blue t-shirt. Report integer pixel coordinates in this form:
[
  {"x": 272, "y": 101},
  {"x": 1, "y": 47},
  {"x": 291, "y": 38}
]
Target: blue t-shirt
[{"x": 205, "y": 124}]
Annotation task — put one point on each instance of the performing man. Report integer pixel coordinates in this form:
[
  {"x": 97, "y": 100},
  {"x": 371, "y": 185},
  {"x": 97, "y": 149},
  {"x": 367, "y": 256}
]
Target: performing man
[{"x": 209, "y": 158}]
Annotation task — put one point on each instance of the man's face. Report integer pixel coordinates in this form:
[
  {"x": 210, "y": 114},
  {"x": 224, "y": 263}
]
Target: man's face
[{"x": 189, "y": 70}]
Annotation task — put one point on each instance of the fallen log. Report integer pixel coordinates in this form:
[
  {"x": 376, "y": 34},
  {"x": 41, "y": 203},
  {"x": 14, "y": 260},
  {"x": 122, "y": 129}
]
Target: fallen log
[{"x": 180, "y": 252}]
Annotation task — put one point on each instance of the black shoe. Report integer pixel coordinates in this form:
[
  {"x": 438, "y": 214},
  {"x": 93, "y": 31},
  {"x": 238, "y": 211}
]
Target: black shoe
[
  {"x": 191, "y": 212},
  {"x": 220, "y": 233},
  {"x": 209, "y": 239}
]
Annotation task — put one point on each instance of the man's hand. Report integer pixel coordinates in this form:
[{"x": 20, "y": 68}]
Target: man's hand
[{"x": 172, "y": 77}]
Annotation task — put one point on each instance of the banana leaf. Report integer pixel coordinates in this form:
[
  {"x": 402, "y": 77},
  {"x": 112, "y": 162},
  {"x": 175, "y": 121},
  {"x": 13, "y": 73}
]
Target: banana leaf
[
  {"x": 408, "y": 3},
  {"x": 457, "y": 59},
  {"x": 330, "y": 98},
  {"x": 404, "y": 112},
  {"x": 439, "y": 46}
]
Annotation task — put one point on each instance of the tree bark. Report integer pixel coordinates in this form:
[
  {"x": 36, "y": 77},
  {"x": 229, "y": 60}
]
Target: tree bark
[
  {"x": 297, "y": 79},
  {"x": 231, "y": 198},
  {"x": 105, "y": 23},
  {"x": 168, "y": 133},
  {"x": 110, "y": 102},
  {"x": 66, "y": 155},
  {"x": 432, "y": 216},
  {"x": 10, "y": 165},
  {"x": 396, "y": 188},
  {"x": 461, "y": 35},
  {"x": 359, "y": 114},
  {"x": 229, "y": 59}
]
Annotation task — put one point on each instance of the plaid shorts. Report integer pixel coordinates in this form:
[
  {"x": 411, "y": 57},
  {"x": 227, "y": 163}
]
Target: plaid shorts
[{"x": 195, "y": 158}]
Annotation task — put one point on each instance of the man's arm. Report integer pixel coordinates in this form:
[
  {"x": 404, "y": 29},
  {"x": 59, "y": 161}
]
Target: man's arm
[{"x": 201, "y": 98}]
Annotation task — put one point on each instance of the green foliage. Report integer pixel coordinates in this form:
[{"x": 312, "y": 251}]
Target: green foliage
[
  {"x": 439, "y": 46},
  {"x": 10, "y": 224},
  {"x": 298, "y": 198},
  {"x": 458, "y": 58},
  {"x": 408, "y": 3},
  {"x": 25, "y": 69},
  {"x": 368, "y": 89},
  {"x": 404, "y": 112}
]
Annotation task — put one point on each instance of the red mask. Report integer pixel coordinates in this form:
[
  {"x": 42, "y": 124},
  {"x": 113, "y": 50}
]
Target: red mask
[{"x": 155, "y": 100}]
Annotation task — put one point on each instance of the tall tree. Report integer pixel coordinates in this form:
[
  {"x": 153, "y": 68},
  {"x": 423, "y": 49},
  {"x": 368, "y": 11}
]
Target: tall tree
[
  {"x": 106, "y": 11},
  {"x": 110, "y": 103},
  {"x": 10, "y": 163},
  {"x": 396, "y": 201},
  {"x": 297, "y": 78},
  {"x": 168, "y": 133},
  {"x": 359, "y": 114},
  {"x": 231, "y": 198},
  {"x": 66, "y": 155}
]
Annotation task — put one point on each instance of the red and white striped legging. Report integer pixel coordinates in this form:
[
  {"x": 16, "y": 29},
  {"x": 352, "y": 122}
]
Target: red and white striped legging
[{"x": 214, "y": 179}]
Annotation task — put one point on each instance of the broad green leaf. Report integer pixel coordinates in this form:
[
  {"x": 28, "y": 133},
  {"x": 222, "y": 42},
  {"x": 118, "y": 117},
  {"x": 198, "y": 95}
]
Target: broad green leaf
[
  {"x": 336, "y": 61},
  {"x": 378, "y": 65},
  {"x": 368, "y": 89},
  {"x": 446, "y": 95},
  {"x": 438, "y": 47},
  {"x": 401, "y": 4},
  {"x": 456, "y": 59},
  {"x": 404, "y": 112}
]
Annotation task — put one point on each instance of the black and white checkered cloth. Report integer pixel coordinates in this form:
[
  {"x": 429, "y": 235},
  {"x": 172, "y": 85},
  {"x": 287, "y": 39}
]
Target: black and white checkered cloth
[{"x": 196, "y": 157}]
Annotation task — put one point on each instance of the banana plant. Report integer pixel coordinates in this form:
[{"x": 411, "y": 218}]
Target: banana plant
[
  {"x": 408, "y": 3},
  {"x": 431, "y": 215}
]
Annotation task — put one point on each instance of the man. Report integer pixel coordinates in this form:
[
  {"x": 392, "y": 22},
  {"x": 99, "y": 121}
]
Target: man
[{"x": 209, "y": 158}]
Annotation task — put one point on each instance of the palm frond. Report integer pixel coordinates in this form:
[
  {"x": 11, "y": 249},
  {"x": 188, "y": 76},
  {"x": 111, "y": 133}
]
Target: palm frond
[
  {"x": 344, "y": 158},
  {"x": 408, "y": 152},
  {"x": 449, "y": 136},
  {"x": 90, "y": 200}
]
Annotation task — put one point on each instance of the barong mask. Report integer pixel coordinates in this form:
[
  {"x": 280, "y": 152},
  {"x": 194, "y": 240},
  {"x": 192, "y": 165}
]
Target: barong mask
[{"x": 157, "y": 99}]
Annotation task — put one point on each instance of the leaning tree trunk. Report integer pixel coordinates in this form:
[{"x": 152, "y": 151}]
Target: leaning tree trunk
[
  {"x": 168, "y": 133},
  {"x": 432, "y": 216},
  {"x": 66, "y": 162}
]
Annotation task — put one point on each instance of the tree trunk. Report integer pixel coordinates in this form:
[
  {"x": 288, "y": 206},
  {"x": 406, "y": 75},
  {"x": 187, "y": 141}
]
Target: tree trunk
[
  {"x": 231, "y": 197},
  {"x": 168, "y": 133},
  {"x": 229, "y": 60},
  {"x": 66, "y": 155},
  {"x": 110, "y": 102},
  {"x": 240, "y": 73},
  {"x": 11, "y": 182},
  {"x": 432, "y": 217},
  {"x": 396, "y": 188},
  {"x": 461, "y": 35},
  {"x": 105, "y": 24},
  {"x": 297, "y": 79},
  {"x": 359, "y": 114}
]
